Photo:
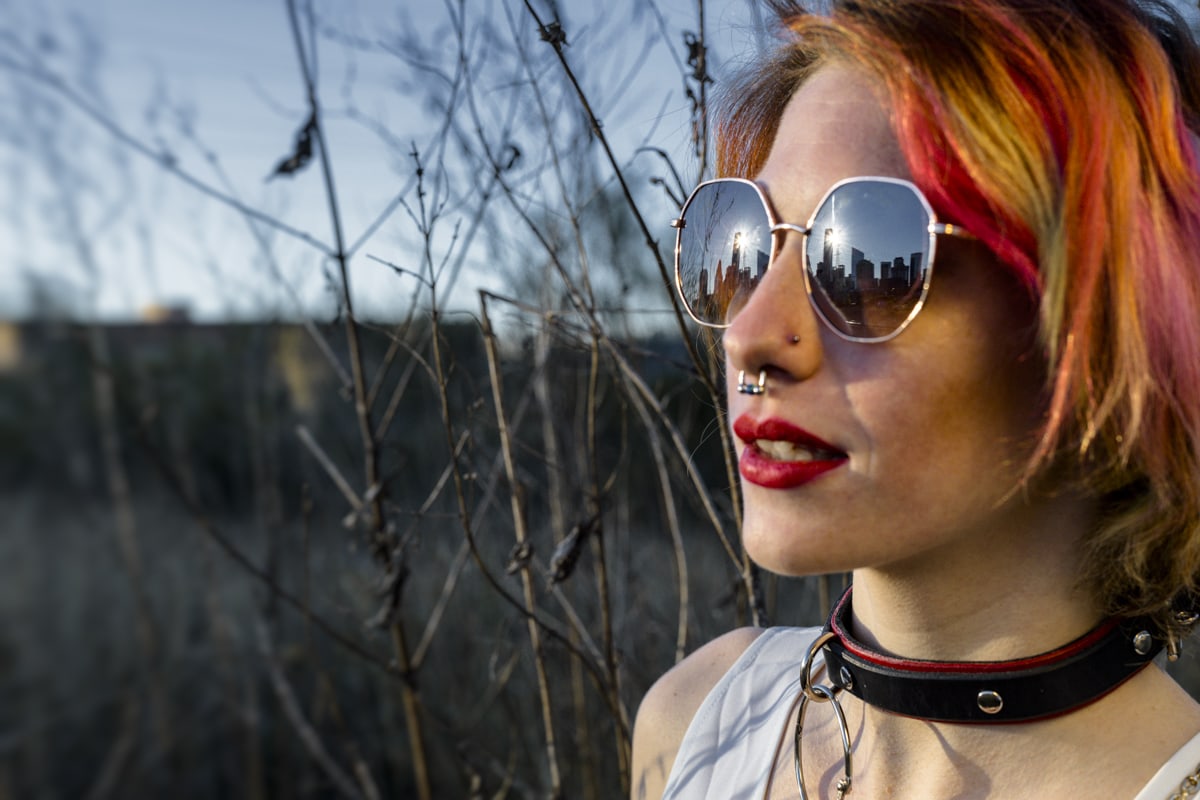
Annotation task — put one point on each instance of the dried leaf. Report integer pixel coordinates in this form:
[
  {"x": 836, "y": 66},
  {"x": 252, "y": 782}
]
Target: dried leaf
[
  {"x": 390, "y": 587},
  {"x": 302, "y": 151},
  {"x": 554, "y": 34},
  {"x": 519, "y": 558},
  {"x": 566, "y": 555}
]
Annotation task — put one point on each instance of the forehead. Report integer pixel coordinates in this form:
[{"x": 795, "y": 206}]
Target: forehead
[{"x": 837, "y": 125}]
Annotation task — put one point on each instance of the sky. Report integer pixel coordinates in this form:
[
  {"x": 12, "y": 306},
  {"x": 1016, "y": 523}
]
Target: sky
[
  {"x": 99, "y": 97},
  {"x": 100, "y": 94}
]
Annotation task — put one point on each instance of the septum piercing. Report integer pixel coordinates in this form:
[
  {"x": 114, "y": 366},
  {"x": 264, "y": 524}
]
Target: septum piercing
[{"x": 752, "y": 388}]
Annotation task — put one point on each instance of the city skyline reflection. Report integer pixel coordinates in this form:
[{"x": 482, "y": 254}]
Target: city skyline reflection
[{"x": 866, "y": 252}]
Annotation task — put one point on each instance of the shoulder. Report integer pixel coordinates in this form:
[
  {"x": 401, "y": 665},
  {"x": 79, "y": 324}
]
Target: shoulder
[{"x": 668, "y": 707}]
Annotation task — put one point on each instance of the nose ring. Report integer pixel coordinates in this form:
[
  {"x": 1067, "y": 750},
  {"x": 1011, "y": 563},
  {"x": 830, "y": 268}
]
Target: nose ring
[{"x": 752, "y": 388}]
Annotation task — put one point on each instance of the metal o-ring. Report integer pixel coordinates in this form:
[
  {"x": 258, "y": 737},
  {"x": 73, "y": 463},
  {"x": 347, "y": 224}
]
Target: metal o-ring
[
  {"x": 828, "y": 695},
  {"x": 806, "y": 667}
]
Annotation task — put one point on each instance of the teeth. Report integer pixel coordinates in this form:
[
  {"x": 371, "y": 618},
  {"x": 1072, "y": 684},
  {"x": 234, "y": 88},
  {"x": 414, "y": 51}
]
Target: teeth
[{"x": 785, "y": 451}]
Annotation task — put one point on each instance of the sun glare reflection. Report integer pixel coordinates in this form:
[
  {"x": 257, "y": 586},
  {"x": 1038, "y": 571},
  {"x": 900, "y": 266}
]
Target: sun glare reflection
[{"x": 748, "y": 240}]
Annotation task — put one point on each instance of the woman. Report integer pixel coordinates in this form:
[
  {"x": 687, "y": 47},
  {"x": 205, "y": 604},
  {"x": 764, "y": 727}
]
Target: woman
[{"x": 987, "y": 408}]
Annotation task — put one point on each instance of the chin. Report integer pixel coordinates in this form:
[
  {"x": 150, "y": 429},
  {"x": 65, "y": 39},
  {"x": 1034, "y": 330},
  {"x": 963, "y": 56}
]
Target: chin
[{"x": 786, "y": 550}]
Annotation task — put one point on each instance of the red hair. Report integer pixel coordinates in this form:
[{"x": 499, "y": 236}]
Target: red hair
[{"x": 1060, "y": 133}]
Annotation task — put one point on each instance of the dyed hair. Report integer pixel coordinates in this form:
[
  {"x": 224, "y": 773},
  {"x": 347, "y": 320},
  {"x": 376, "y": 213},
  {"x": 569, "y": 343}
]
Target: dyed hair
[{"x": 1061, "y": 133}]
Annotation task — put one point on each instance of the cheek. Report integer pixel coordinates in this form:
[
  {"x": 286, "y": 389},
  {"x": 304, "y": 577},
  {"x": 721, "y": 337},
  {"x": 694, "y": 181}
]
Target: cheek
[{"x": 967, "y": 419}]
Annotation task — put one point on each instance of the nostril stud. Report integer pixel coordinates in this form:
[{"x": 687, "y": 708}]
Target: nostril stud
[{"x": 795, "y": 338}]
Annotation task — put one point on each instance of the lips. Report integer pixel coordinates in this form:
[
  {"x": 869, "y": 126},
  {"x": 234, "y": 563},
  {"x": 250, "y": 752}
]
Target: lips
[{"x": 779, "y": 455}]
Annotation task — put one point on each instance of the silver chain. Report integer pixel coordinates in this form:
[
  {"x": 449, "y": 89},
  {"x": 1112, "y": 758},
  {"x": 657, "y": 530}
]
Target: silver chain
[{"x": 1189, "y": 787}]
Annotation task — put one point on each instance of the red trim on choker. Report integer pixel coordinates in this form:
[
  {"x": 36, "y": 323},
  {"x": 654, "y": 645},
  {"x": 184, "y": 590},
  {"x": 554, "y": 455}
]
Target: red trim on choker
[
  {"x": 1050, "y": 657},
  {"x": 1022, "y": 690}
]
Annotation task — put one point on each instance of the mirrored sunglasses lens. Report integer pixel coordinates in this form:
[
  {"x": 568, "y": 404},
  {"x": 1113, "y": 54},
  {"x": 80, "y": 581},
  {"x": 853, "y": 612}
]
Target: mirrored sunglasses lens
[
  {"x": 724, "y": 247},
  {"x": 867, "y": 257}
]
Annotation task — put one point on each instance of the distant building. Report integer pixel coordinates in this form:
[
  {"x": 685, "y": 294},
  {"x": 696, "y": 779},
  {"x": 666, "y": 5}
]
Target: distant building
[
  {"x": 10, "y": 347},
  {"x": 864, "y": 273},
  {"x": 304, "y": 372},
  {"x": 166, "y": 315}
]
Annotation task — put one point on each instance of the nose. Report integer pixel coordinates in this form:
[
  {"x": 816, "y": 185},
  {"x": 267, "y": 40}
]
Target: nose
[{"x": 777, "y": 329}]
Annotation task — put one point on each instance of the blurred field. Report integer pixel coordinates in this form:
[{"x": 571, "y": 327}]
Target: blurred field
[{"x": 140, "y": 658}]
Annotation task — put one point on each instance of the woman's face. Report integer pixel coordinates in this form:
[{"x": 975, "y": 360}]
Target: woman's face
[{"x": 869, "y": 455}]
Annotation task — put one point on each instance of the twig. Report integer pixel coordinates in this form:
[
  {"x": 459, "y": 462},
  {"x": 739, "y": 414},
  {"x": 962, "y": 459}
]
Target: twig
[
  {"x": 705, "y": 370},
  {"x": 602, "y": 589},
  {"x": 291, "y": 709},
  {"x": 381, "y": 539},
  {"x": 556, "y": 494},
  {"x": 664, "y": 485},
  {"x": 331, "y": 469},
  {"x": 242, "y": 560},
  {"x": 522, "y": 537},
  {"x": 162, "y": 159},
  {"x": 597, "y": 129}
]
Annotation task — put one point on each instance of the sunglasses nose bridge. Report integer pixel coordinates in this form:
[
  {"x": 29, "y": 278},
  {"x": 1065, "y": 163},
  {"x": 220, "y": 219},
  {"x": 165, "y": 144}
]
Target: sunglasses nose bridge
[
  {"x": 785, "y": 227},
  {"x": 779, "y": 231}
]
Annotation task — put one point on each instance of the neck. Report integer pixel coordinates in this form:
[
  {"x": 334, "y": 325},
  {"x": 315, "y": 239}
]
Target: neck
[{"x": 1011, "y": 594}]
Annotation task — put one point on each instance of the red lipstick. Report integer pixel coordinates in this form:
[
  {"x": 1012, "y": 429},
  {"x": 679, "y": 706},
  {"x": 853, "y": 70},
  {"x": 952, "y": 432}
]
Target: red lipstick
[{"x": 761, "y": 469}]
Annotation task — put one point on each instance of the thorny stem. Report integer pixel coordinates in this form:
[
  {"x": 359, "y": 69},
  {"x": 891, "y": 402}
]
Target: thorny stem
[
  {"x": 556, "y": 495},
  {"x": 701, "y": 75},
  {"x": 554, "y": 36},
  {"x": 442, "y": 384},
  {"x": 370, "y": 455},
  {"x": 590, "y": 659},
  {"x": 610, "y": 648},
  {"x": 383, "y": 547},
  {"x": 592, "y": 469}
]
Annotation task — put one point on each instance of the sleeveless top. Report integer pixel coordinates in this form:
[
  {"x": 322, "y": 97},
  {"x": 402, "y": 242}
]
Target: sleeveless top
[{"x": 732, "y": 742}]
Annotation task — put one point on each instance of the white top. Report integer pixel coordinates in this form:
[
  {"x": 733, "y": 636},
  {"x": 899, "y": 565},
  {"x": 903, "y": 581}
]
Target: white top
[{"x": 732, "y": 742}]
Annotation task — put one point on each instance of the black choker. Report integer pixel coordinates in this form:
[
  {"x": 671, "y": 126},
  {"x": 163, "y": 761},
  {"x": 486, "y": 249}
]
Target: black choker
[{"x": 1022, "y": 690}]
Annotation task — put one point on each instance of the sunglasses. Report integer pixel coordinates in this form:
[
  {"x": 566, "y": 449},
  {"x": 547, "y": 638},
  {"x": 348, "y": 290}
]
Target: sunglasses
[{"x": 869, "y": 251}]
